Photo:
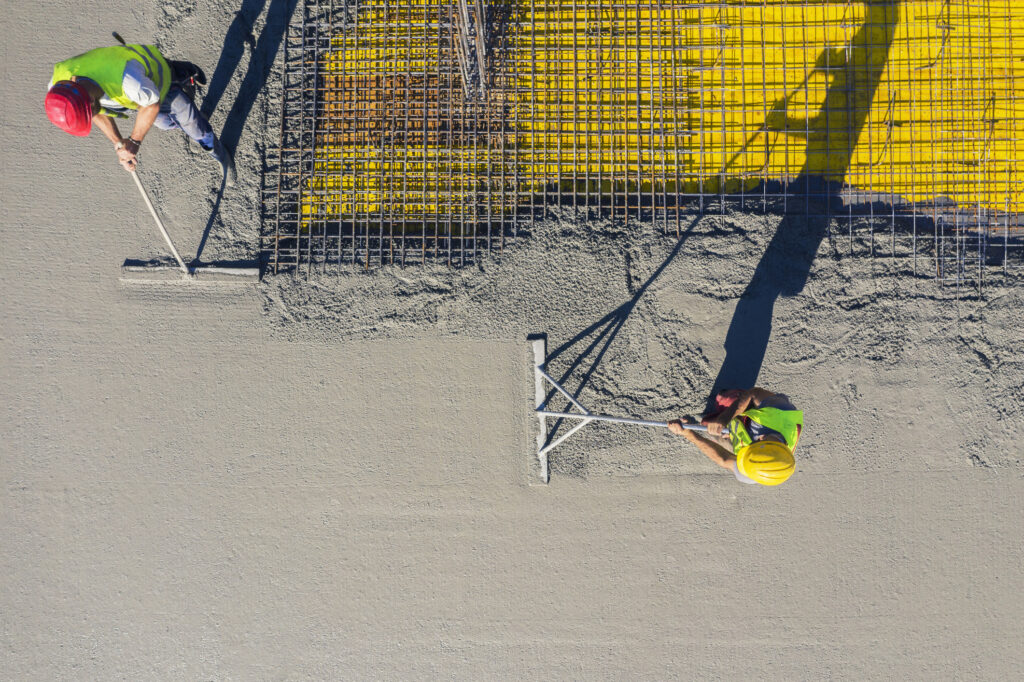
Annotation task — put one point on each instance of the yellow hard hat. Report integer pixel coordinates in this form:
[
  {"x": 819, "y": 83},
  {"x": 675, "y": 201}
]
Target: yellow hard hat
[{"x": 767, "y": 461}]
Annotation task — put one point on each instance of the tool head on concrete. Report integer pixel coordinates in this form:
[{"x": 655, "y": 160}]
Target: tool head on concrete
[
  {"x": 133, "y": 271},
  {"x": 547, "y": 442},
  {"x": 540, "y": 355}
]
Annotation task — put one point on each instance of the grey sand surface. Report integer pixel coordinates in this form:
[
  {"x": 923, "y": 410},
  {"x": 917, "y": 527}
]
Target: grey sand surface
[{"x": 330, "y": 478}]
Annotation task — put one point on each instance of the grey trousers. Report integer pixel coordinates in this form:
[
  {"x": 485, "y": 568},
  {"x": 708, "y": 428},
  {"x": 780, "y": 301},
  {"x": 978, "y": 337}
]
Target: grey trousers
[{"x": 178, "y": 111}]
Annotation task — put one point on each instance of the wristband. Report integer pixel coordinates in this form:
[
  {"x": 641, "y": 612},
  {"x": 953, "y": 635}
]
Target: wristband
[{"x": 118, "y": 146}]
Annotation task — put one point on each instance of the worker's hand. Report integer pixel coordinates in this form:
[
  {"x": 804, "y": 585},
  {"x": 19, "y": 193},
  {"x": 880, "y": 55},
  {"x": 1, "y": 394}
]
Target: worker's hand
[
  {"x": 127, "y": 159},
  {"x": 676, "y": 426},
  {"x": 717, "y": 425}
]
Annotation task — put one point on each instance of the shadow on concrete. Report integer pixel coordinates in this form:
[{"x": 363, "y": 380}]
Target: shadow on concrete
[
  {"x": 209, "y": 223},
  {"x": 599, "y": 336},
  {"x": 263, "y": 51},
  {"x": 855, "y": 72}
]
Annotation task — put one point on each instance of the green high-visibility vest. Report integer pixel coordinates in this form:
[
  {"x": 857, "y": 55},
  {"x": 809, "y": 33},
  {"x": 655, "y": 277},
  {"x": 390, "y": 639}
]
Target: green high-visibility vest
[
  {"x": 786, "y": 422},
  {"x": 105, "y": 66}
]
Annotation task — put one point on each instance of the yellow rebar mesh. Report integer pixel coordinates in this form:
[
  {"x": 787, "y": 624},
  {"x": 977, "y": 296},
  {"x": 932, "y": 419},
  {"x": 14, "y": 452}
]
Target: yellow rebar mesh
[
  {"x": 739, "y": 94},
  {"x": 917, "y": 98}
]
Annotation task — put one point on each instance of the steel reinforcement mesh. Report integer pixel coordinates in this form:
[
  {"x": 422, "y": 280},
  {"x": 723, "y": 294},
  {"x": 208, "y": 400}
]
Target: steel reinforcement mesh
[{"x": 414, "y": 130}]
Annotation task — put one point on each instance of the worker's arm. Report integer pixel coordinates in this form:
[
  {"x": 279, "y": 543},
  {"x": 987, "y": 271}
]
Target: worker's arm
[
  {"x": 109, "y": 129},
  {"x": 144, "y": 121},
  {"x": 753, "y": 396},
  {"x": 713, "y": 451}
]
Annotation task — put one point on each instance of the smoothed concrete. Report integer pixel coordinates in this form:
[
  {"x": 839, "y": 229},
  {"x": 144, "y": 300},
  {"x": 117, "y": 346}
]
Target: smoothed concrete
[{"x": 331, "y": 479}]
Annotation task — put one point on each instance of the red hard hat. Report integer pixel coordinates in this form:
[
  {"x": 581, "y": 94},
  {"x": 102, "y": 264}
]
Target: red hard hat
[{"x": 69, "y": 107}]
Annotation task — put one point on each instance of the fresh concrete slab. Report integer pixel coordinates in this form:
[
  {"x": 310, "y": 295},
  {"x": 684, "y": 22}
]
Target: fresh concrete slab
[{"x": 329, "y": 478}]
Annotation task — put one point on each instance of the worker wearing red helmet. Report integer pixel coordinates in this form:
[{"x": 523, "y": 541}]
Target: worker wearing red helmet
[
  {"x": 108, "y": 82},
  {"x": 764, "y": 428}
]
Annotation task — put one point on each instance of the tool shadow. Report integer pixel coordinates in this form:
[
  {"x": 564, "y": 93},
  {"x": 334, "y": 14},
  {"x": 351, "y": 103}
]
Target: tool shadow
[
  {"x": 210, "y": 222},
  {"x": 599, "y": 336}
]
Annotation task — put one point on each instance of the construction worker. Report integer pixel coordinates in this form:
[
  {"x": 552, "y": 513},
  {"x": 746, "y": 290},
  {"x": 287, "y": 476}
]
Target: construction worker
[
  {"x": 107, "y": 82},
  {"x": 764, "y": 428}
]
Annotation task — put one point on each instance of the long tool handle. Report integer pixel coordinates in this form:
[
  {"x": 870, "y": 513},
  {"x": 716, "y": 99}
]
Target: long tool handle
[
  {"x": 159, "y": 223},
  {"x": 621, "y": 420}
]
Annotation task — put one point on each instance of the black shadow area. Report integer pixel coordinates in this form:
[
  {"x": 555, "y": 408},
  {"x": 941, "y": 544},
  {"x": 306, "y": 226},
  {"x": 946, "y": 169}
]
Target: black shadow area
[
  {"x": 599, "y": 336},
  {"x": 855, "y": 71},
  {"x": 263, "y": 52}
]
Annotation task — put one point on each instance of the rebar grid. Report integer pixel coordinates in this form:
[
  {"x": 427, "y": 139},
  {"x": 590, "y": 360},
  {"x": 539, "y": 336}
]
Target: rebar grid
[{"x": 415, "y": 130}]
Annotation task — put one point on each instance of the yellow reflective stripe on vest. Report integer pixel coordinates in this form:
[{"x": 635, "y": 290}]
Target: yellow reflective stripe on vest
[
  {"x": 739, "y": 437},
  {"x": 149, "y": 60}
]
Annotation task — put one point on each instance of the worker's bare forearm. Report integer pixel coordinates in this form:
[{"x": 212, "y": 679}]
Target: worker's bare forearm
[
  {"x": 107, "y": 127},
  {"x": 144, "y": 121},
  {"x": 713, "y": 451}
]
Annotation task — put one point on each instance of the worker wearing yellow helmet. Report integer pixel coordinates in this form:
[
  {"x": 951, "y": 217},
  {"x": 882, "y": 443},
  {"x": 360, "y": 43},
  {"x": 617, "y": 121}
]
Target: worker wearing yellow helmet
[{"x": 764, "y": 428}]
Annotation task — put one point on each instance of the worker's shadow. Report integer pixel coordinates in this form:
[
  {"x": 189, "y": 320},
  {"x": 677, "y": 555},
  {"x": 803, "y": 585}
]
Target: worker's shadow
[
  {"x": 854, "y": 72},
  {"x": 263, "y": 51}
]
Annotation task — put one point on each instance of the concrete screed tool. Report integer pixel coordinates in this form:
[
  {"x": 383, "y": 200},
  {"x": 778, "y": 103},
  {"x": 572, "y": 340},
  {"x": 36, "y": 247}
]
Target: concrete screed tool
[
  {"x": 135, "y": 271},
  {"x": 195, "y": 273},
  {"x": 585, "y": 416}
]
